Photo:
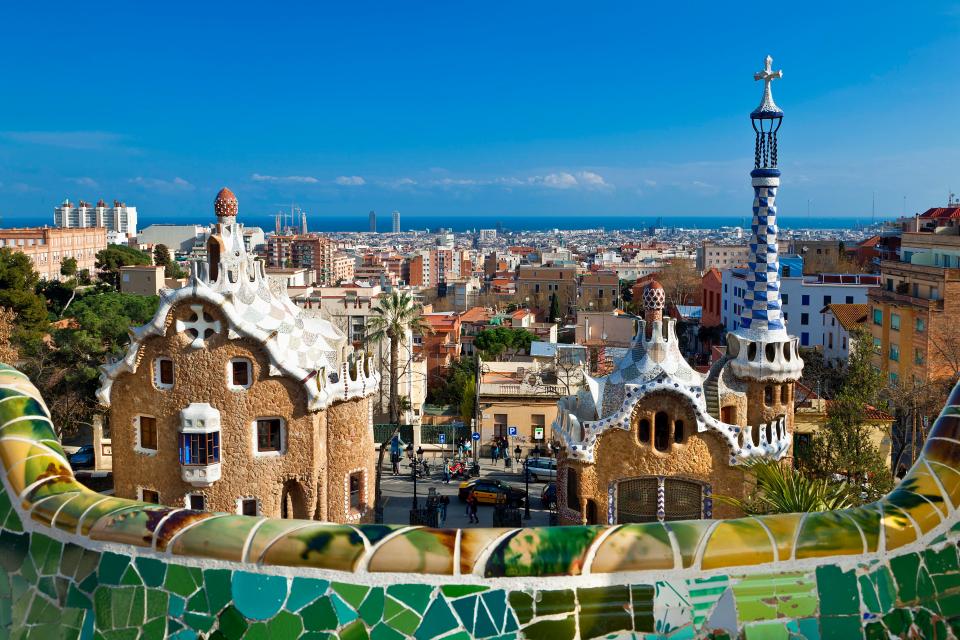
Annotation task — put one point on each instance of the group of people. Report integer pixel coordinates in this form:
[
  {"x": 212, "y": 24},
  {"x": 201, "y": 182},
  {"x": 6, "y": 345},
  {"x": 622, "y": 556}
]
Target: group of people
[{"x": 500, "y": 449}]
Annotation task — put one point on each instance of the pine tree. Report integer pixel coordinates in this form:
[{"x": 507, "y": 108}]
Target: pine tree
[
  {"x": 554, "y": 308},
  {"x": 844, "y": 446}
]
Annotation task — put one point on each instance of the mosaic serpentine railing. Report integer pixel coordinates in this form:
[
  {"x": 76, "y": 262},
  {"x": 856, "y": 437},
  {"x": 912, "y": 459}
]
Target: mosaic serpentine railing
[{"x": 74, "y": 563}]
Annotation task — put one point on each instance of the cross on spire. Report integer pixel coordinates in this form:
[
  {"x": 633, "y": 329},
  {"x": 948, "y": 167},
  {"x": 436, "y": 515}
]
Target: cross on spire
[{"x": 768, "y": 108}]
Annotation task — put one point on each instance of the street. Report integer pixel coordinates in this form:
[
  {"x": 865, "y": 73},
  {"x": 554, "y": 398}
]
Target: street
[{"x": 398, "y": 494}]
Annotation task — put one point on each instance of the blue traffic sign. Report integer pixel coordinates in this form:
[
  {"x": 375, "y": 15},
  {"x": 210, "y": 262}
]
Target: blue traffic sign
[
  {"x": 442, "y": 437},
  {"x": 476, "y": 436},
  {"x": 512, "y": 432}
]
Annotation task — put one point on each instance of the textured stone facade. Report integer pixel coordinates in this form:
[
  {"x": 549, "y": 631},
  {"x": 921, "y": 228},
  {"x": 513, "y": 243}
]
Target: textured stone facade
[
  {"x": 339, "y": 434},
  {"x": 622, "y": 455}
]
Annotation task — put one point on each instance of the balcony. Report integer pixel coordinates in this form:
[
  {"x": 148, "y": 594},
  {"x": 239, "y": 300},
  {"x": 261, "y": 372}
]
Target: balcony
[
  {"x": 883, "y": 295},
  {"x": 199, "y": 444},
  {"x": 523, "y": 390}
]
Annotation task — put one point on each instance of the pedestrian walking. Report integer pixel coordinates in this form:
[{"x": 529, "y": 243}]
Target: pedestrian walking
[
  {"x": 446, "y": 472},
  {"x": 495, "y": 453},
  {"x": 472, "y": 508},
  {"x": 442, "y": 508},
  {"x": 517, "y": 453}
]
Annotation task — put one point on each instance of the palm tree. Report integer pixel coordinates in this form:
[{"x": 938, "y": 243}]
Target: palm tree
[
  {"x": 395, "y": 314},
  {"x": 783, "y": 489}
]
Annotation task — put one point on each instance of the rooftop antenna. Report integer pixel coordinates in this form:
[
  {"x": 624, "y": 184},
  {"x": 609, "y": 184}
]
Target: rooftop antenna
[{"x": 873, "y": 208}]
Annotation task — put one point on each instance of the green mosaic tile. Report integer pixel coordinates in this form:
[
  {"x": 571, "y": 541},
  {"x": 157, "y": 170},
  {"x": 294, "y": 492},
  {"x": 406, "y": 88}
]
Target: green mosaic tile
[
  {"x": 641, "y": 597},
  {"x": 553, "y": 602},
  {"x": 151, "y": 570},
  {"x": 258, "y": 596},
  {"x": 905, "y": 569},
  {"x": 840, "y": 627},
  {"x": 458, "y": 590},
  {"x": 484, "y": 626},
  {"x": 688, "y": 534},
  {"x": 131, "y": 577},
  {"x": 352, "y": 594},
  {"x": 371, "y": 611},
  {"x": 838, "y": 591},
  {"x": 926, "y": 594},
  {"x": 199, "y": 621},
  {"x": 766, "y": 631},
  {"x": 154, "y": 630},
  {"x": 320, "y": 615},
  {"x": 437, "y": 621},
  {"x": 466, "y": 610},
  {"x": 183, "y": 581},
  {"x": 496, "y": 604},
  {"x": 942, "y": 561},
  {"x": 157, "y": 603},
  {"x": 198, "y": 602},
  {"x": 303, "y": 591},
  {"x": 542, "y": 552},
  {"x": 45, "y": 553},
  {"x": 565, "y": 629},
  {"x": 284, "y": 625},
  {"x": 415, "y": 596},
  {"x": 232, "y": 624},
  {"x": 345, "y": 612},
  {"x": 405, "y": 622},
  {"x": 604, "y": 610},
  {"x": 522, "y": 604},
  {"x": 217, "y": 585},
  {"x": 13, "y": 550},
  {"x": 355, "y": 631}
]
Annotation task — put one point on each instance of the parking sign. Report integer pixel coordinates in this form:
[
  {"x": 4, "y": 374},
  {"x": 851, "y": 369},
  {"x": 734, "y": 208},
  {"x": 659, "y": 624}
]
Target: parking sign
[
  {"x": 442, "y": 437},
  {"x": 512, "y": 432}
]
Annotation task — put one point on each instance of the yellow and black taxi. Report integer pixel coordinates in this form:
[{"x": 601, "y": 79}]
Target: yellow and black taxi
[{"x": 491, "y": 492}]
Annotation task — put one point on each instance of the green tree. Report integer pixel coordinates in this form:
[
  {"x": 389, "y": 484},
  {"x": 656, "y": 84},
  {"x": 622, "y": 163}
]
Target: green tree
[
  {"x": 18, "y": 282},
  {"x": 162, "y": 258},
  {"x": 468, "y": 397},
  {"x": 68, "y": 267},
  {"x": 494, "y": 342},
  {"x": 844, "y": 445},
  {"x": 554, "y": 308},
  {"x": 110, "y": 260}
]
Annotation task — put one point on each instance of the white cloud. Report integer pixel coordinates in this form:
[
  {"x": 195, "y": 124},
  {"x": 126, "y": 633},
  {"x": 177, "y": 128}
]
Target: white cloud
[
  {"x": 592, "y": 180},
  {"x": 158, "y": 184},
  {"x": 560, "y": 180},
  {"x": 650, "y": 183},
  {"x": 85, "y": 181},
  {"x": 258, "y": 177},
  {"x": 350, "y": 181}
]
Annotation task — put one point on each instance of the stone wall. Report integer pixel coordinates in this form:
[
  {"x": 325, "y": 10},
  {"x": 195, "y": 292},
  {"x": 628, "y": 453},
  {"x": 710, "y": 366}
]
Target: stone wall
[{"x": 349, "y": 451}]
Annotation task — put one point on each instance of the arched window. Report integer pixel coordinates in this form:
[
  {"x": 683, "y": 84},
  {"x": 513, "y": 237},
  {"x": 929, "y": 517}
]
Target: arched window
[
  {"x": 644, "y": 433},
  {"x": 768, "y": 395},
  {"x": 661, "y": 431},
  {"x": 678, "y": 431},
  {"x": 213, "y": 256},
  {"x": 573, "y": 490},
  {"x": 784, "y": 394},
  {"x": 728, "y": 414}
]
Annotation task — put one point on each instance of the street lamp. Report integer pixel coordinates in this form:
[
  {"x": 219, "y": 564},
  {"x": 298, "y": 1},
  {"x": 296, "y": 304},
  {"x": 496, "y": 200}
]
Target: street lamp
[{"x": 526, "y": 467}]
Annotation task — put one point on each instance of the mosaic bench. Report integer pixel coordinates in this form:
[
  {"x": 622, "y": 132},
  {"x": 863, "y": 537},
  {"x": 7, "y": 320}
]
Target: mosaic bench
[{"x": 74, "y": 563}]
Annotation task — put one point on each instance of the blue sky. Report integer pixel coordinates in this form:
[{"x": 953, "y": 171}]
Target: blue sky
[{"x": 471, "y": 109}]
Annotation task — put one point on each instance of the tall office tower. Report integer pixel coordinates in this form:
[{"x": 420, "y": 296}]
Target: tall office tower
[
  {"x": 396, "y": 222},
  {"x": 373, "y": 222}
]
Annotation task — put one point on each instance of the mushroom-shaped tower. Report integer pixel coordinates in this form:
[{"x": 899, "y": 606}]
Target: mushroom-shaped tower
[{"x": 226, "y": 206}]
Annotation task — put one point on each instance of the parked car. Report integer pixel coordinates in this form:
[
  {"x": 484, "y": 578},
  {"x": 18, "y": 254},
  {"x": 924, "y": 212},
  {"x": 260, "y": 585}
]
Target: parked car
[
  {"x": 542, "y": 469},
  {"x": 82, "y": 458},
  {"x": 548, "y": 497},
  {"x": 491, "y": 492}
]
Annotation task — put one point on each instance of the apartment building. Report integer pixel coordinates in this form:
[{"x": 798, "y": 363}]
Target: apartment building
[
  {"x": 442, "y": 347},
  {"x": 120, "y": 221},
  {"x": 48, "y": 247},
  {"x": 343, "y": 269},
  {"x": 803, "y": 297},
  {"x": 599, "y": 290},
  {"x": 536, "y": 286}
]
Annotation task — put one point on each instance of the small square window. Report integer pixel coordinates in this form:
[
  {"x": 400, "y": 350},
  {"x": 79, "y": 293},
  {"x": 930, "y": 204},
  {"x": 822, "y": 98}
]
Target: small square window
[
  {"x": 878, "y": 317},
  {"x": 196, "y": 501},
  {"x": 785, "y": 297},
  {"x": 147, "y": 428},
  {"x": 163, "y": 373},
  {"x": 804, "y": 318},
  {"x": 241, "y": 373},
  {"x": 921, "y": 325},
  {"x": 248, "y": 507},
  {"x": 269, "y": 435},
  {"x": 895, "y": 322},
  {"x": 805, "y": 300},
  {"x": 149, "y": 495},
  {"x": 356, "y": 485}
]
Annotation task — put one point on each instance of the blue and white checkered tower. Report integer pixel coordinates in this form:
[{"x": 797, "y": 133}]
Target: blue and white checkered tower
[{"x": 761, "y": 348}]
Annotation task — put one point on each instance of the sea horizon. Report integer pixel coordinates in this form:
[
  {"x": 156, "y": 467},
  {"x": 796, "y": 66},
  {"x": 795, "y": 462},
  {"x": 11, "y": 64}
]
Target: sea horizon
[{"x": 461, "y": 223}]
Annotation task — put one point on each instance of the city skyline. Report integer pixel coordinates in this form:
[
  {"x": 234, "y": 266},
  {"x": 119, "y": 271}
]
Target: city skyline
[{"x": 538, "y": 112}]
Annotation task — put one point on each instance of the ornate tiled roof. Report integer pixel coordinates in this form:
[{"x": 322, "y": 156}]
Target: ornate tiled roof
[{"x": 304, "y": 348}]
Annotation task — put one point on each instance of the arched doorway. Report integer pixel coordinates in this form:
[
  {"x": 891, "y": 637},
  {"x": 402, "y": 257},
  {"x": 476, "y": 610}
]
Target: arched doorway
[{"x": 293, "y": 500}]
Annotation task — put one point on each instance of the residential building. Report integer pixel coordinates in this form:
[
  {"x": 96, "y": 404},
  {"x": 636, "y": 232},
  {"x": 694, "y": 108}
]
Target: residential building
[
  {"x": 819, "y": 256},
  {"x": 803, "y": 297},
  {"x": 599, "y": 291},
  {"x": 343, "y": 269},
  {"x": 442, "y": 347},
  {"x": 522, "y": 395},
  {"x": 537, "y": 285},
  {"x": 178, "y": 238},
  {"x": 711, "y": 298},
  {"x": 120, "y": 221},
  {"x": 48, "y": 247},
  {"x": 143, "y": 280},
  {"x": 839, "y": 323},
  {"x": 212, "y": 408}
]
